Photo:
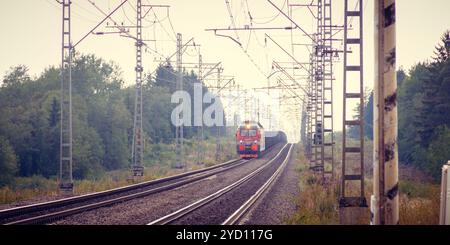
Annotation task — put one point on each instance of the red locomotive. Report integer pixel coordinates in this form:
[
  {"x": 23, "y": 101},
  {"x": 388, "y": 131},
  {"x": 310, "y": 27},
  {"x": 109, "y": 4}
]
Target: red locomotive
[{"x": 252, "y": 140}]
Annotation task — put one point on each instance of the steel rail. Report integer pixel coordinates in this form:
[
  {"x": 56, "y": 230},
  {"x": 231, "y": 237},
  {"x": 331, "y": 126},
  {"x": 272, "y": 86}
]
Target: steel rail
[
  {"x": 29, "y": 209},
  {"x": 197, "y": 204},
  {"x": 46, "y": 218},
  {"x": 243, "y": 210}
]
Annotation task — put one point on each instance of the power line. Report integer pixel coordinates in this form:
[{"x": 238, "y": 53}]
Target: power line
[
  {"x": 72, "y": 12},
  {"x": 271, "y": 18},
  {"x": 233, "y": 23},
  {"x": 126, "y": 16},
  {"x": 86, "y": 10},
  {"x": 162, "y": 26},
  {"x": 171, "y": 25}
]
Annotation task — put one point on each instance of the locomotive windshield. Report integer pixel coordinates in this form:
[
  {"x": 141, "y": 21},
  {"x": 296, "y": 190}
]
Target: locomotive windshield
[{"x": 251, "y": 132}]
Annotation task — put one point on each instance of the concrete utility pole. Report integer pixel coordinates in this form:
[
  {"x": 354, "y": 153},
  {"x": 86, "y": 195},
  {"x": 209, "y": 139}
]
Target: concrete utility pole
[
  {"x": 65, "y": 163},
  {"x": 385, "y": 201},
  {"x": 179, "y": 129},
  {"x": 138, "y": 141}
]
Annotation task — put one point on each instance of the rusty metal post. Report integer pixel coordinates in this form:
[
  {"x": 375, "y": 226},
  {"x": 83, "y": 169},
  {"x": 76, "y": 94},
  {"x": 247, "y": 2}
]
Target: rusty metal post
[{"x": 385, "y": 201}]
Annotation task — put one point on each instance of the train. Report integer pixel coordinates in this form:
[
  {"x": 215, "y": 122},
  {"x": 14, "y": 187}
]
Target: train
[{"x": 252, "y": 140}]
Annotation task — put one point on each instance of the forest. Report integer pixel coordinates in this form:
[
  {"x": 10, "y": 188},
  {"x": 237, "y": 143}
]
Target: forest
[
  {"x": 102, "y": 119},
  {"x": 423, "y": 112}
]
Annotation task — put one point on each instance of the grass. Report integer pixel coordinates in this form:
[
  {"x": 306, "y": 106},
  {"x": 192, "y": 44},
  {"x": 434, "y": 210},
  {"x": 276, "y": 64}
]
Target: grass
[
  {"x": 419, "y": 203},
  {"x": 419, "y": 198},
  {"x": 316, "y": 205},
  {"x": 159, "y": 166}
]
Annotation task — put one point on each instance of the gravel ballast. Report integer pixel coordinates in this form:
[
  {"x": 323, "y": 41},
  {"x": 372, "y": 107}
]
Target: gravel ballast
[
  {"x": 278, "y": 204},
  {"x": 217, "y": 211},
  {"x": 144, "y": 210}
]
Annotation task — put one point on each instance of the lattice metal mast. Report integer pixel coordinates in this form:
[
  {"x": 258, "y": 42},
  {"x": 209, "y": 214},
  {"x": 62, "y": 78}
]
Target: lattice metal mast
[
  {"x": 179, "y": 137},
  {"x": 351, "y": 202},
  {"x": 310, "y": 114},
  {"x": 319, "y": 77},
  {"x": 138, "y": 140},
  {"x": 200, "y": 151},
  {"x": 65, "y": 173},
  {"x": 328, "y": 81},
  {"x": 219, "y": 85},
  {"x": 65, "y": 178}
]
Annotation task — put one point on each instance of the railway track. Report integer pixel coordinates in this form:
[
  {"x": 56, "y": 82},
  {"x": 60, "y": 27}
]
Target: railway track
[
  {"x": 246, "y": 206},
  {"x": 241, "y": 212},
  {"x": 42, "y": 213}
]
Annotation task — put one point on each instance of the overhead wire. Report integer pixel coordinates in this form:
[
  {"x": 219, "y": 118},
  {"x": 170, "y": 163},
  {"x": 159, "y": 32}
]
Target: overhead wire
[
  {"x": 126, "y": 16},
  {"x": 271, "y": 19},
  {"x": 75, "y": 13},
  {"x": 87, "y": 10},
  {"x": 233, "y": 23},
  {"x": 162, "y": 26}
]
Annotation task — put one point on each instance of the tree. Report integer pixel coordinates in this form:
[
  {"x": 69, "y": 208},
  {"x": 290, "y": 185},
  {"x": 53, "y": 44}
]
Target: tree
[
  {"x": 16, "y": 76},
  {"x": 8, "y": 162},
  {"x": 442, "y": 52},
  {"x": 410, "y": 93},
  {"x": 354, "y": 131},
  {"x": 54, "y": 113},
  {"x": 115, "y": 135},
  {"x": 435, "y": 99},
  {"x": 102, "y": 116}
]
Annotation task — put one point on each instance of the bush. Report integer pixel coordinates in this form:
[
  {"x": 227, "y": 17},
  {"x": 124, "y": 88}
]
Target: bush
[
  {"x": 438, "y": 152},
  {"x": 415, "y": 190},
  {"x": 8, "y": 162}
]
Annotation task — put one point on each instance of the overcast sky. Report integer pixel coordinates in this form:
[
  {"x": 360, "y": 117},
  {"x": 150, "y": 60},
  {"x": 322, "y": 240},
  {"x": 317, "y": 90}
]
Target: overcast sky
[{"x": 31, "y": 35}]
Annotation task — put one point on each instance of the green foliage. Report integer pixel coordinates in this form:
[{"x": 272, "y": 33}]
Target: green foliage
[
  {"x": 16, "y": 76},
  {"x": 423, "y": 106},
  {"x": 368, "y": 117},
  {"x": 103, "y": 114},
  {"x": 8, "y": 162},
  {"x": 354, "y": 131},
  {"x": 438, "y": 151},
  {"x": 415, "y": 190},
  {"x": 442, "y": 52}
]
